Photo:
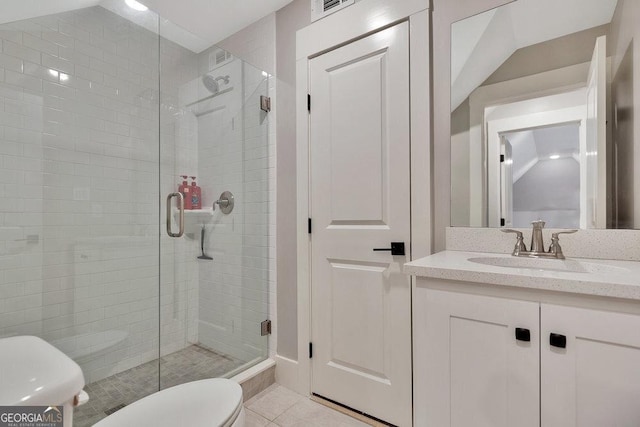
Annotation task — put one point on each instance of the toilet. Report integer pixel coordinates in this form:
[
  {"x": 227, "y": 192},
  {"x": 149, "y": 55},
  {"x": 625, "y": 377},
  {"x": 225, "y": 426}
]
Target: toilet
[
  {"x": 35, "y": 373},
  {"x": 214, "y": 402}
]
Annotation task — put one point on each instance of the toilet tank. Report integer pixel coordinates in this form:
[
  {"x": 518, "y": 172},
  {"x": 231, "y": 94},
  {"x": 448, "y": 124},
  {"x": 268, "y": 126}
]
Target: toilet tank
[{"x": 33, "y": 372}]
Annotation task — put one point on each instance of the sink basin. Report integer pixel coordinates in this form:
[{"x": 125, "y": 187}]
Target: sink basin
[{"x": 555, "y": 265}]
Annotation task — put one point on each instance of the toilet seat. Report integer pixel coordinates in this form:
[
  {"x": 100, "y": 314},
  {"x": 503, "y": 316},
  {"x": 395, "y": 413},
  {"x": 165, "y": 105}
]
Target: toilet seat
[{"x": 205, "y": 403}]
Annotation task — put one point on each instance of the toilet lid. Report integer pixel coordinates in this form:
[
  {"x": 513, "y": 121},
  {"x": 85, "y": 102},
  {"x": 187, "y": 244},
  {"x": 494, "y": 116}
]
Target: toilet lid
[
  {"x": 33, "y": 372},
  {"x": 212, "y": 402}
]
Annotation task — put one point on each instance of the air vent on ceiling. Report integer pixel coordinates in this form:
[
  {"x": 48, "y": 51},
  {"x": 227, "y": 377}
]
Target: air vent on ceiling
[
  {"x": 322, "y": 8},
  {"x": 218, "y": 57}
]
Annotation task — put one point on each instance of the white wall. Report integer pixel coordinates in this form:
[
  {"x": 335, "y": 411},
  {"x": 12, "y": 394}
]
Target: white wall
[
  {"x": 624, "y": 32},
  {"x": 550, "y": 190},
  {"x": 288, "y": 20}
]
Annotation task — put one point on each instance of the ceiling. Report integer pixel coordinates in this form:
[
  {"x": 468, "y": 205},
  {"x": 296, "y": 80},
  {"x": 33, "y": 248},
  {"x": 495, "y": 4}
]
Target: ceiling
[
  {"x": 16, "y": 10},
  {"x": 208, "y": 21},
  {"x": 214, "y": 20},
  {"x": 528, "y": 147},
  {"x": 498, "y": 33}
]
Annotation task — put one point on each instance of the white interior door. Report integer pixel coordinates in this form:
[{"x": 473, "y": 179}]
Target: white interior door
[
  {"x": 360, "y": 200},
  {"x": 597, "y": 137}
]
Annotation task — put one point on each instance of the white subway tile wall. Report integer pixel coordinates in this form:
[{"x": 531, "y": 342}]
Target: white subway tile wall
[{"x": 80, "y": 118}]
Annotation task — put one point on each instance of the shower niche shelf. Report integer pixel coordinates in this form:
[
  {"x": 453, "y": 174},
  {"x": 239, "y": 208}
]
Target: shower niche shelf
[
  {"x": 195, "y": 216},
  {"x": 196, "y": 212}
]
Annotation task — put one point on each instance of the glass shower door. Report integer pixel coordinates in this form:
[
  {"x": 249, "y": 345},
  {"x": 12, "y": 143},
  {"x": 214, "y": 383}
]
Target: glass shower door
[
  {"x": 79, "y": 167},
  {"x": 215, "y": 277}
]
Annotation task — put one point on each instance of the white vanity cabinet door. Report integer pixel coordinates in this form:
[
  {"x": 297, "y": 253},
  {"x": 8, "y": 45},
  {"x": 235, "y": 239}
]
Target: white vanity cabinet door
[
  {"x": 469, "y": 368},
  {"x": 595, "y": 380}
]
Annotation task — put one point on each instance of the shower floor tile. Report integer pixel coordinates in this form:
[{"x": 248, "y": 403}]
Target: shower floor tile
[{"x": 189, "y": 364}]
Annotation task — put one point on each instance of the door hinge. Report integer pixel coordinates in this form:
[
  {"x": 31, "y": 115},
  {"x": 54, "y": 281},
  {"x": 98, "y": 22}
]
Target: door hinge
[
  {"x": 265, "y": 103},
  {"x": 309, "y": 226},
  {"x": 501, "y": 158},
  {"x": 265, "y": 328},
  {"x": 310, "y": 350},
  {"x": 308, "y": 102}
]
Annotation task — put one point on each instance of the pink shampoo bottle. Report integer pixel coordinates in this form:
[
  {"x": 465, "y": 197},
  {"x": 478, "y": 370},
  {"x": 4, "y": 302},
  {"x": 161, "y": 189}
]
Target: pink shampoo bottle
[{"x": 196, "y": 195}]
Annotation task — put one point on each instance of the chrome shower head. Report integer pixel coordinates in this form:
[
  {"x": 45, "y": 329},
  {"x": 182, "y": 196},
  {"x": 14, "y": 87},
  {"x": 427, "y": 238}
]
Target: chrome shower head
[{"x": 211, "y": 84}]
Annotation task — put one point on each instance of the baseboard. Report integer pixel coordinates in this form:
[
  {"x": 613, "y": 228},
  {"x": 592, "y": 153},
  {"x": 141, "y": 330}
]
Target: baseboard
[{"x": 287, "y": 374}]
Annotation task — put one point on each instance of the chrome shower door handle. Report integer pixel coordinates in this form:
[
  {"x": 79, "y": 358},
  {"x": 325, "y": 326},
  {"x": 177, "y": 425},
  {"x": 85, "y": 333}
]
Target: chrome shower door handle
[{"x": 181, "y": 214}]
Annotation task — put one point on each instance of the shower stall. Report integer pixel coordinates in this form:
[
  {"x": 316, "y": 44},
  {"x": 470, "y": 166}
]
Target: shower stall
[{"x": 102, "y": 110}]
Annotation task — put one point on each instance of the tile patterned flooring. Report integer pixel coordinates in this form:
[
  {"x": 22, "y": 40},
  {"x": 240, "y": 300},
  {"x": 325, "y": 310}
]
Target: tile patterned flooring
[
  {"x": 275, "y": 406},
  {"x": 279, "y": 407},
  {"x": 189, "y": 364}
]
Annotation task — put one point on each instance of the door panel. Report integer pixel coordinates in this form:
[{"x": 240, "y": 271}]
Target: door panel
[
  {"x": 356, "y": 97},
  {"x": 473, "y": 370},
  {"x": 360, "y": 182},
  {"x": 358, "y": 337},
  {"x": 474, "y": 390},
  {"x": 595, "y": 380}
]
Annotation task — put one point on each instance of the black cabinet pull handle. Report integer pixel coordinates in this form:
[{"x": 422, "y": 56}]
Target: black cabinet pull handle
[
  {"x": 523, "y": 334},
  {"x": 397, "y": 248},
  {"x": 557, "y": 340}
]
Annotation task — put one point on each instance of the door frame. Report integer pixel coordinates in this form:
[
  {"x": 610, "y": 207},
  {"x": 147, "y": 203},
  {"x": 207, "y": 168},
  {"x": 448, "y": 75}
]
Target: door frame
[
  {"x": 557, "y": 114},
  {"x": 353, "y": 23}
]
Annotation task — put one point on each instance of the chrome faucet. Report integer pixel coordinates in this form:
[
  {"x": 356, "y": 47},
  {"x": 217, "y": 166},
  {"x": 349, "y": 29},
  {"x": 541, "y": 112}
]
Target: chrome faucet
[
  {"x": 536, "y": 236},
  {"x": 537, "y": 244}
]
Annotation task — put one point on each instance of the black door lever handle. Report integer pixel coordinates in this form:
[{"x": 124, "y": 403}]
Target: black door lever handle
[{"x": 397, "y": 248}]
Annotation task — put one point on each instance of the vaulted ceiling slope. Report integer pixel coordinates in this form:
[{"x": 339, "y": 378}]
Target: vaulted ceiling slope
[{"x": 481, "y": 44}]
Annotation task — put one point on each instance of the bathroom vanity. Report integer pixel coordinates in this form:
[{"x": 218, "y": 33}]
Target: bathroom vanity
[
  {"x": 544, "y": 125},
  {"x": 507, "y": 341}
]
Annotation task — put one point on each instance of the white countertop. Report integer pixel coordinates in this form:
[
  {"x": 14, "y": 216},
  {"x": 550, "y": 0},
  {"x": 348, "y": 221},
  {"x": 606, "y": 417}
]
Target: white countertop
[{"x": 615, "y": 279}]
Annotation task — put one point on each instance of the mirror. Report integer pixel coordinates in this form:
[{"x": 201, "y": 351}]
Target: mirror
[{"x": 543, "y": 124}]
